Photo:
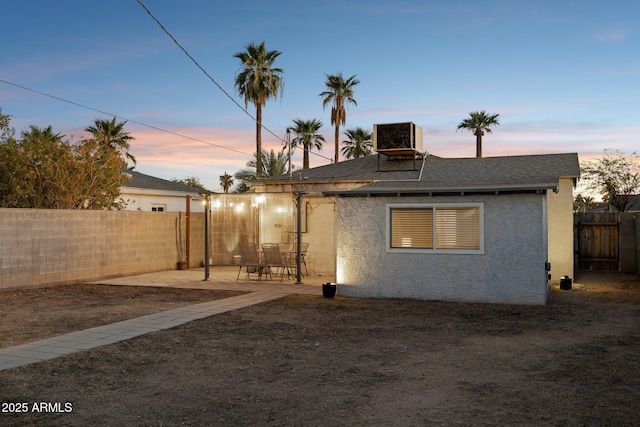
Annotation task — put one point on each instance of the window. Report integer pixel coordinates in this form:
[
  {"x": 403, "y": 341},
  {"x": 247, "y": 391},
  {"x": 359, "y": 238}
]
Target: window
[
  {"x": 158, "y": 208},
  {"x": 445, "y": 228}
]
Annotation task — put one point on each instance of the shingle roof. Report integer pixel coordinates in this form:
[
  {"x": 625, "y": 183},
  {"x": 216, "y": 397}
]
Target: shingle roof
[
  {"x": 436, "y": 174},
  {"x": 486, "y": 174},
  {"x": 361, "y": 169},
  {"x": 140, "y": 180}
]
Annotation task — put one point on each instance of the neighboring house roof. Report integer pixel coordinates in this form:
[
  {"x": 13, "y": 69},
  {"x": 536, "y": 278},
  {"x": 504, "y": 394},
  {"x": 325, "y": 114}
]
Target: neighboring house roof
[
  {"x": 442, "y": 175},
  {"x": 140, "y": 180},
  {"x": 600, "y": 207}
]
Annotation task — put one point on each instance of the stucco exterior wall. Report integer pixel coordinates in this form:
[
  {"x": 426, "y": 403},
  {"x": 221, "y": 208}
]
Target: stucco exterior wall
[
  {"x": 144, "y": 200},
  {"x": 320, "y": 234},
  {"x": 511, "y": 270},
  {"x": 561, "y": 251},
  {"x": 41, "y": 246}
]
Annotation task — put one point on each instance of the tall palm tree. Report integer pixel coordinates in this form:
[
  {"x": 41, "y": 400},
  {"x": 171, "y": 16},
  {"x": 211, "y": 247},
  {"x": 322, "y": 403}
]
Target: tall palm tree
[
  {"x": 359, "y": 143},
  {"x": 111, "y": 135},
  {"x": 258, "y": 81},
  {"x": 339, "y": 92},
  {"x": 307, "y": 137},
  {"x": 226, "y": 181},
  {"x": 479, "y": 122}
]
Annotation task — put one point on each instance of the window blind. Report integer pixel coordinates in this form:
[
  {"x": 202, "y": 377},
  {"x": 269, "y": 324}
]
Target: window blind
[{"x": 412, "y": 228}]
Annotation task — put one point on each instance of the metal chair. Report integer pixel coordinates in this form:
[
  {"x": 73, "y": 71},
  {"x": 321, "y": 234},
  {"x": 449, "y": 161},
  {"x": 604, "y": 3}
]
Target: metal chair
[
  {"x": 250, "y": 260},
  {"x": 273, "y": 259}
]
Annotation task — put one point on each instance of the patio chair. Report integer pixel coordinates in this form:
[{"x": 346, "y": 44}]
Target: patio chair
[
  {"x": 273, "y": 259},
  {"x": 251, "y": 261},
  {"x": 291, "y": 251}
]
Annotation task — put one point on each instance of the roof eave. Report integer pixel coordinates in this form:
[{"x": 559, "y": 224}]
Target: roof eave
[{"x": 399, "y": 192}]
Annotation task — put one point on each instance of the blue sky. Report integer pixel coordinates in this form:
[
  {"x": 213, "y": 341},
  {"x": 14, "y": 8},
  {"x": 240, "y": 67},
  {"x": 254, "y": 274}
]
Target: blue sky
[{"x": 563, "y": 75}]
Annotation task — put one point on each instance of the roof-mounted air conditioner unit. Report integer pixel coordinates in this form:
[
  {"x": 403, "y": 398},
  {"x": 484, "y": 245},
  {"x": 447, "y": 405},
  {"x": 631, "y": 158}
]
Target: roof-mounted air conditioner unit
[{"x": 399, "y": 139}]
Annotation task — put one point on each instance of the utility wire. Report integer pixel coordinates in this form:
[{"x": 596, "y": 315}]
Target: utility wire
[
  {"x": 200, "y": 67},
  {"x": 124, "y": 118},
  {"x": 215, "y": 82}
]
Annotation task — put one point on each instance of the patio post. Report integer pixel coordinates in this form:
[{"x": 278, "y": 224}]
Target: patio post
[
  {"x": 299, "y": 195},
  {"x": 207, "y": 204}
]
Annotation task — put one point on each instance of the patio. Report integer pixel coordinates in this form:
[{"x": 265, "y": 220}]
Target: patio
[{"x": 220, "y": 278}]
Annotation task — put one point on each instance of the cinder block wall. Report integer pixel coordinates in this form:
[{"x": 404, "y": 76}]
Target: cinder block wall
[{"x": 40, "y": 246}]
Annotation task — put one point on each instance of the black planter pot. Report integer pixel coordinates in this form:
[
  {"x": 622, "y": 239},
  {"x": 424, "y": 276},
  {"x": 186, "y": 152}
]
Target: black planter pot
[
  {"x": 329, "y": 290},
  {"x": 565, "y": 283}
]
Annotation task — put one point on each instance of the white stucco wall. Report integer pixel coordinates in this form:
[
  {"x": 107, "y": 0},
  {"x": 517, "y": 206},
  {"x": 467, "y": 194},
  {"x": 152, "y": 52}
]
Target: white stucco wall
[
  {"x": 561, "y": 251},
  {"x": 511, "y": 270},
  {"x": 144, "y": 200}
]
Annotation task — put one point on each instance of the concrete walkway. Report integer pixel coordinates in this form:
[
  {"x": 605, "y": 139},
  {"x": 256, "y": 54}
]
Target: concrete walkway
[{"x": 223, "y": 278}]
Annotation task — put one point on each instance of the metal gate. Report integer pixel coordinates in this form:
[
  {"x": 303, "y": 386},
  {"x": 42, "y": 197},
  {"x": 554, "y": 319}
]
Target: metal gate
[{"x": 597, "y": 237}]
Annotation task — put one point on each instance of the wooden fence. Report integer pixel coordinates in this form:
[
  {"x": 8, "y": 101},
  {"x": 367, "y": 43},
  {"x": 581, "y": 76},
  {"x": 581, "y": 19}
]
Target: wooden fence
[{"x": 607, "y": 242}]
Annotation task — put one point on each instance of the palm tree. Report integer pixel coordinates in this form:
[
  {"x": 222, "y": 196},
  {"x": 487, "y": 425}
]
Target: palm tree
[
  {"x": 308, "y": 137},
  {"x": 359, "y": 143},
  {"x": 37, "y": 134},
  {"x": 581, "y": 203},
  {"x": 340, "y": 92},
  {"x": 111, "y": 135},
  {"x": 226, "y": 181},
  {"x": 272, "y": 165},
  {"x": 479, "y": 122},
  {"x": 258, "y": 81}
]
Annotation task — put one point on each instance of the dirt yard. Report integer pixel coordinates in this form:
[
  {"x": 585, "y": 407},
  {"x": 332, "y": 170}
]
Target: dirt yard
[{"x": 311, "y": 361}]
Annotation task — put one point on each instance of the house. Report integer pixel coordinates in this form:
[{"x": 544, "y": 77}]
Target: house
[
  {"x": 605, "y": 207},
  {"x": 148, "y": 193},
  {"x": 461, "y": 229}
]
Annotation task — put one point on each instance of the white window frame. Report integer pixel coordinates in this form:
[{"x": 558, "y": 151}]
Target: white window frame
[{"x": 435, "y": 206}]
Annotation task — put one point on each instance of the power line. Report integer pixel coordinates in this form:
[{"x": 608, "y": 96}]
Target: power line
[
  {"x": 200, "y": 67},
  {"x": 158, "y": 128},
  {"x": 125, "y": 118},
  {"x": 214, "y": 81}
]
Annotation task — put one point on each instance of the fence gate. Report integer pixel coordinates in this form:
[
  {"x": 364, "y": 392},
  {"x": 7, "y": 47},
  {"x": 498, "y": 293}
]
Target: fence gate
[{"x": 597, "y": 241}]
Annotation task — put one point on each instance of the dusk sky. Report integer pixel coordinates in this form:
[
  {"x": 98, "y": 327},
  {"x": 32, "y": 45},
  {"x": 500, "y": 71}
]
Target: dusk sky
[{"x": 563, "y": 75}]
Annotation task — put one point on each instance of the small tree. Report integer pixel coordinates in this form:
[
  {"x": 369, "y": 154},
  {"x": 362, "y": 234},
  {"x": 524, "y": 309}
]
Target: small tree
[
  {"x": 6, "y": 131},
  {"x": 43, "y": 170},
  {"x": 191, "y": 181},
  {"x": 616, "y": 176}
]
